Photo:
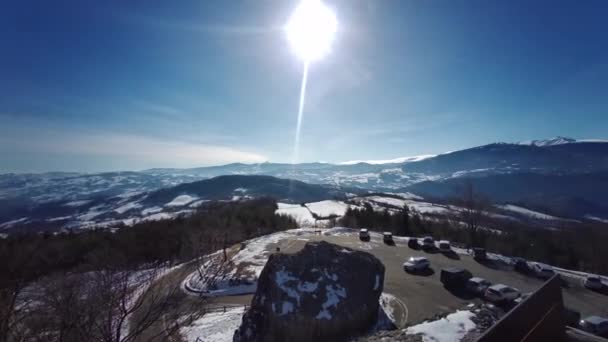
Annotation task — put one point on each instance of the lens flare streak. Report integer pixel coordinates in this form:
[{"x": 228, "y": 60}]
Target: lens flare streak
[{"x": 300, "y": 113}]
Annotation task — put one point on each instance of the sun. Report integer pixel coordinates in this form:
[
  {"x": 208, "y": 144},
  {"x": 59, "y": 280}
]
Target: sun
[{"x": 311, "y": 30}]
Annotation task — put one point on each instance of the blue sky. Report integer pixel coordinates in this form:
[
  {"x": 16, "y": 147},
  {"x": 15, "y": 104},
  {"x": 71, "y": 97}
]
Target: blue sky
[{"x": 129, "y": 85}]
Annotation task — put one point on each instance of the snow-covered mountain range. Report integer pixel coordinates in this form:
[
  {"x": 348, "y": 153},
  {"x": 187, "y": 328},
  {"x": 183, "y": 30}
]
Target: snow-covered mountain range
[{"x": 560, "y": 176}]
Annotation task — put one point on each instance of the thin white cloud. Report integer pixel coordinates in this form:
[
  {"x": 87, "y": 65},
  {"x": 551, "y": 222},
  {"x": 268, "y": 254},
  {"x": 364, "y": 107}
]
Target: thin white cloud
[
  {"x": 138, "y": 150},
  {"x": 165, "y": 23}
]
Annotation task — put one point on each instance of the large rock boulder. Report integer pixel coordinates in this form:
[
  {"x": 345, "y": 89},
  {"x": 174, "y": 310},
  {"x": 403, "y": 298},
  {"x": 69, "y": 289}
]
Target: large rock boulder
[{"x": 324, "y": 292}]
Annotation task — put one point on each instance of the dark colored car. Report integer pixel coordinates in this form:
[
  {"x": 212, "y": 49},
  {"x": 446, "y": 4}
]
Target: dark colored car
[
  {"x": 413, "y": 243},
  {"x": 387, "y": 237},
  {"x": 595, "y": 324},
  {"x": 453, "y": 277},
  {"x": 521, "y": 265},
  {"x": 479, "y": 253}
]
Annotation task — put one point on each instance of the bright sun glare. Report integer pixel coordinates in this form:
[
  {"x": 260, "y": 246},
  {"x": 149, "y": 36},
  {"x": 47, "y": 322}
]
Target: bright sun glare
[{"x": 311, "y": 30}]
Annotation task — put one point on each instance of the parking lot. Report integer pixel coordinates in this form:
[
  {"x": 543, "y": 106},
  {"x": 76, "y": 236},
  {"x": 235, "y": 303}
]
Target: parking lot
[{"x": 422, "y": 296}]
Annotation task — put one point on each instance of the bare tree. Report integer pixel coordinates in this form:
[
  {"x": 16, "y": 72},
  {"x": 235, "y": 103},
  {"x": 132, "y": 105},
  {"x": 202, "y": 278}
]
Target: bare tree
[
  {"x": 17, "y": 270},
  {"x": 125, "y": 306},
  {"x": 473, "y": 211},
  {"x": 110, "y": 305}
]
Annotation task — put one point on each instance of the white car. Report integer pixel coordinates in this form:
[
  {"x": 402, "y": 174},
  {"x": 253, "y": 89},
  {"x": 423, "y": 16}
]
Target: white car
[
  {"x": 542, "y": 270},
  {"x": 593, "y": 282},
  {"x": 428, "y": 242},
  {"x": 501, "y": 293},
  {"x": 444, "y": 246},
  {"x": 364, "y": 234},
  {"x": 414, "y": 264}
]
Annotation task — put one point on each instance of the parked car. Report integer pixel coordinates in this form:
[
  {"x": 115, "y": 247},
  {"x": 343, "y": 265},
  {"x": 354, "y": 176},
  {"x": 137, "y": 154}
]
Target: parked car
[
  {"x": 595, "y": 324},
  {"x": 364, "y": 235},
  {"x": 477, "y": 285},
  {"x": 521, "y": 265},
  {"x": 453, "y": 277},
  {"x": 479, "y": 253},
  {"x": 415, "y": 264},
  {"x": 523, "y": 297},
  {"x": 444, "y": 246},
  {"x": 500, "y": 293},
  {"x": 413, "y": 243},
  {"x": 542, "y": 270},
  {"x": 428, "y": 242},
  {"x": 387, "y": 237},
  {"x": 593, "y": 282}
]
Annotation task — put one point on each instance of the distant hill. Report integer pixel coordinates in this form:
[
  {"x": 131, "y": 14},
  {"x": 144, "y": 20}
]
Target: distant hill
[
  {"x": 564, "y": 175},
  {"x": 227, "y": 187},
  {"x": 571, "y": 195}
]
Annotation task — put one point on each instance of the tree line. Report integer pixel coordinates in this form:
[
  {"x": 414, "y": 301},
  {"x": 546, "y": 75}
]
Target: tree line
[
  {"x": 583, "y": 247},
  {"x": 84, "y": 286}
]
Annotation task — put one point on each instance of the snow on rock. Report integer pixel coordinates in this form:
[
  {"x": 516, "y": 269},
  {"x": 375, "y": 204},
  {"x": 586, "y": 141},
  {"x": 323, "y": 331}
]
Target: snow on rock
[
  {"x": 214, "y": 326},
  {"x": 333, "y": 294},
  {"x": 386, "y": 302},
  {"x": 181, "y": 200},
  {"x": 328, "y": 208},
  {"x": 451, "y": 328},
  {"x": 313, "y": 293}
]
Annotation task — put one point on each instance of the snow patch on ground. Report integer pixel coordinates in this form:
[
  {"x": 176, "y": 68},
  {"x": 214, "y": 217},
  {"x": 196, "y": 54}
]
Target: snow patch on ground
[
  {"x": 60, "y": 218},
  {"x": 595, "y": 218},
  {"x": 451, "y": 328},
  {"x": 328, "y": 208},
  {"x": 214, "y": 326},
  {"x": 197, "y": 203},
  {"x": 390, "y": 161},
  {"x": 256, "y": 253},
  {"x": 90, "y": 215},
  {"x": 395, "y": 202},
  {"x": 13, "y": 222},
  {"x": 301, "y": 214},
  {"x": 408, "y": 195},
  {"x": 129, "y": 206},
  {"x": 181, "y": 200},
  {"x": 528, "y": 212},
  {"x": 152, "y": 210},
  {"x": 77, "y": 203},
  {"x": 427, "y": 208},
  {"x": 288, "y": 205}
]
